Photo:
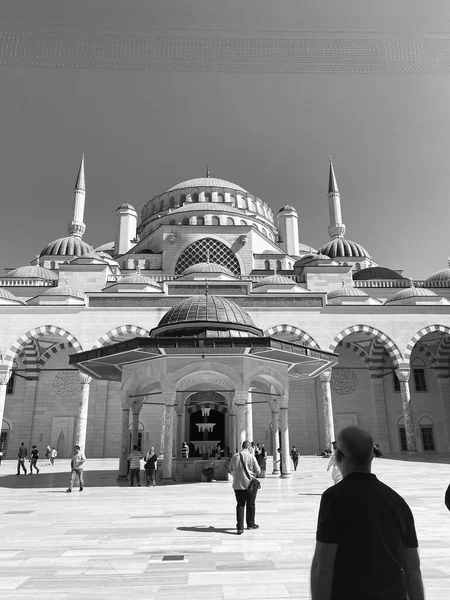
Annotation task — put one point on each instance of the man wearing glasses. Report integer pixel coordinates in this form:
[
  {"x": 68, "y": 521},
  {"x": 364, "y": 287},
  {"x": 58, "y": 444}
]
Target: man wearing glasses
[{"x": 366, "y": 542}]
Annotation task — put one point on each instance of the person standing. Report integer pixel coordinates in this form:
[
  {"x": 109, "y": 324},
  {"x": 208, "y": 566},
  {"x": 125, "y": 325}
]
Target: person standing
[
  {"x": 366, "y": 542},
  {"x": 294, "y": 455},
  {"x": 150, "y": 467},
  {"x": 77, "y": 465},
  {"x": 22, "y": 454},
  {"x": 336, "y": 474},
  {"x": 53, "y": 455},
  {"x": 34, "y": 459},
  {"x": 184, "y": 450},
  {"x": 1, "y": 457},
  {"x": 48, "y": 453},
  {"x": 280, "y": 460},
  {"x": 243, "y": 467},
  {"x": 135, "y": 465}
]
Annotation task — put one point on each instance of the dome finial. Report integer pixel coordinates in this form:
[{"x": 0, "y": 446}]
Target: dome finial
[
  {"x": 411, "y": 283},
  {"x": 343, "y": 283},
  {"x": 448, "y": 260},
  {"x": 138, "y": 269},
  {"x": 38, "y": 258},
  {"x": 67, "y": 283},
  {"x": 207, "y": 256},
  {"x": 206, "y": 288},
  {"x": 208, "y": 170}
]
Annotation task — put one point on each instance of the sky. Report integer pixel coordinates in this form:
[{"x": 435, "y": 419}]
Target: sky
[{"x": 143, "y": 131}]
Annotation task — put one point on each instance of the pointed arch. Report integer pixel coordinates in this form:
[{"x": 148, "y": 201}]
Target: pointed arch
[
  {"x": 112, "y": 335},
  {"x": 390, "y": 346},
  {"x": 420, "y": 334},
  {"x": 44, "y": 330},
  {"x": 207, "y": 249},
  {"x": 52, "y": 351},
  {"x": 303, "y": 337},
  {"x": 356, "y": 349}
]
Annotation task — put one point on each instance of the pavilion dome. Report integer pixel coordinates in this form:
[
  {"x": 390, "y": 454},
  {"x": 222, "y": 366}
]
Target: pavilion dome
[
  {"x": 206, "y": 182},
  {"x": 32, "y": 272},
  {"x": 442, "y": 276},
  {"x": 138, "y": 278},
  {"x": 64, "y": 290},
  {"x": 206, "y": 316},
  {"x": 339, "y": 247},
  {"x": 207, "y": 267},
  {"x": 70, "y": 245},
  {"x": 376, "y": 273},
  {"x": 410, "y": 292},
  {"x": 345, "y": 291},
  {"x": 274, "y": 279},
  {"x": 7, "y": 295}
]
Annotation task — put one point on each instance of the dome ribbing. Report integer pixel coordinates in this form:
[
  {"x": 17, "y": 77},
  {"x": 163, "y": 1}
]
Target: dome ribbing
[
  {"x": 339, "y": 247},
  {"x": 207, "y": 182},
  {"x": 32, "y": 272},
  {"x": 67, "y": 246}
]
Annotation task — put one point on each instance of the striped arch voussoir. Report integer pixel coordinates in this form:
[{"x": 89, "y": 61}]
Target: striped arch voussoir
[
  {"x": 113, "y": 334},
  {"x": 420, "y": 334},
  {"x": 304, "y": 338},
  {"x": 52, "y": 351},
  {"x": 357, "y": 350},
  {"x": 29, "y": 337},
  {"x": 389, "y": 345}
]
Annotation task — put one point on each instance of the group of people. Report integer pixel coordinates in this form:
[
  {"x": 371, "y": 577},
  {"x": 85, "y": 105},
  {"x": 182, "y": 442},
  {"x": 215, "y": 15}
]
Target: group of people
[
  {"x": 22, "y": 455},
  {"x": 150, "y": 466}
]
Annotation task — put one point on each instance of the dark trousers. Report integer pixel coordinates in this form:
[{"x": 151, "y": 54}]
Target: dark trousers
[
  {"x": 21, "y": 463},
  {"x": 245, "y": 503},
  {"x": 33, "y": 463},
  {"x": 134, "y": 474},
  {"x": 295, "y": 461},
  {"x": 150, "y": 475}
]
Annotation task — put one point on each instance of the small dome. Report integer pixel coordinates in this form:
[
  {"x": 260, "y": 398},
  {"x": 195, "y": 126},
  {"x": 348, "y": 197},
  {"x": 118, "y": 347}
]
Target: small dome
[
  {"x": 376, "y": 273},
  {"x": 442, "y": 276},
  {"x": 311, "y": 257},
  {"x": 199, "y": 315},
  {"x": 138, "y": 278},
  {"x": 206, "y": 182},
  {"x": 32, "y": 272},
  {"x": 339, "y": 247},
  {"x": 67, "y": 246},
  {"x": 345, "y": 290},
  {"x": 410, "y": 292},
  {"x": 207, "y": 267},
  {"x": 125, "y": 205},
  {"x": 6, "y": 295},
  {"x": 64, "y": 290},
  {"x": 287, "y": 207},
  {"x": 274, "y": 280}
]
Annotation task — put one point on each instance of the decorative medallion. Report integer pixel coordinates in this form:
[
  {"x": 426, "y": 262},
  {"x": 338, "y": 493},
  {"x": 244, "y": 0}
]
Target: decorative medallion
[
  {"x": 66, "y": 384},
  {"x": 343, "y": 381}
]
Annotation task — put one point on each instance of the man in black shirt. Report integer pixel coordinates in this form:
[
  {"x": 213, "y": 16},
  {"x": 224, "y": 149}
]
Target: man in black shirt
[{"x": 366, "y": 543}]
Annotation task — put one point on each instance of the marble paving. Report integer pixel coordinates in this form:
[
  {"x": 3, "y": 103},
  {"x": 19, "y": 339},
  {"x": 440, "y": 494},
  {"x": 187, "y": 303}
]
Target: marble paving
[{"x": 178, "y": 541}]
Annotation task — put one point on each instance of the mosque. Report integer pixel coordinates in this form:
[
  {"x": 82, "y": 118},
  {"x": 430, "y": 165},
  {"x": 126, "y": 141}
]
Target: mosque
[{"x": 207, "y": 320}]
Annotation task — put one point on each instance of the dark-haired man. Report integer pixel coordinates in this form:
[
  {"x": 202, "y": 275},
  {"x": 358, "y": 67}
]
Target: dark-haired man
[
  {"x": 366, "y": 543},
  {"x": 244, "y": 467}
]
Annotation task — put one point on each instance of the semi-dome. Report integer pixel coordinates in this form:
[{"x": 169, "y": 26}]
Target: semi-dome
[
  {"x": 32, "y": 272},
  {"x": 274, "y": 279},
  {"x": 411, "y": 292},
  {"x": 70, "y": 245},
  {"x": 64, "y": 290},
  {"x": 6, "y": 296},
  {"x": 207, "y": 267},
  {"x": 207, "y": 182},
  {"x": 339, "y": 247},
  {"x": 376, "y": 273},
  {"x": 206, "y": 316},
  {"x": 345, "y": 291}
]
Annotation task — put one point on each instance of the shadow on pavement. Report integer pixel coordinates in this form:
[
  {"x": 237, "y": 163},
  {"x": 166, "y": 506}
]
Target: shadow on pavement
[
  {"x": 61, "y": 480},
  {"x": 210, "y": 529}
]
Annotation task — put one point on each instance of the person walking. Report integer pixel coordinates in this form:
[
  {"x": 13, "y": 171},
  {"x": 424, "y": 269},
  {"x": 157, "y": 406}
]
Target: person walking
[
  {"x": 1, "y": 457},
  {"x": 34, "y": 459},
  {"x": 184, "y": 450},
  {"x": 135, "y": 465},
  {"x": 21, "y": 455},
  {"x": 294, "y": 455},
  {"x": 53, "y": 455},
  {"x": 77, "y": 466},
  {"x": 243, "y": 467},
  {"x": 150, "y": 466},
  {"x": 48, "y": 453},
  {"x": 366, "y": 542},
  {"x": 336, "y": 474}
]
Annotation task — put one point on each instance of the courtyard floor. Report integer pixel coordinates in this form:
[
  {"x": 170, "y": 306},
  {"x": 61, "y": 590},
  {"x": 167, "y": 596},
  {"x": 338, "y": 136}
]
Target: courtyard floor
[{"x": 179, "y": 541}]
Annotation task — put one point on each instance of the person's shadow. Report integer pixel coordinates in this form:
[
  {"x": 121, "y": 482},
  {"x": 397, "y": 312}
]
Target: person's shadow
[{"x": 210, "y": 529}]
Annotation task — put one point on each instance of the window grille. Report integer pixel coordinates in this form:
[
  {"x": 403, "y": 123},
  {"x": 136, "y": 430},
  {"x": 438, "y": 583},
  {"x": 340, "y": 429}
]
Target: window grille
[
  {"x": 403, "y": 444},
  {"x": 428, "y": 439},
  {"x": 420, "y": 381},
  {"x": 207, "y": 250}
]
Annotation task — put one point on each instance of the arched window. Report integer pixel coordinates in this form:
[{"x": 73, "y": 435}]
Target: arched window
[
  {"x": 220, "y": 198},
  {"x": 200, "y": 221},
  {"x": 230, "y": 221},
  {"x": 251, "y": 205},
  {"x": 204, "y": 250},
  {"x": 182, "y": 199},
  {"x": 402, "y": 434},
  {"x": 418, "y": 371},
  {"x": 279, "y": 267},
  {"x": 161, "y": 206},
  {"x": 427, "y": 434},
  {"x": 259, "y": 208},
  {"x": 243, "y": 203},
  {"x": 215, "y": 221},
  {"x": 172, "y": 222},
  {"x": 195, "y": 197},
  {"x": 243, "y": 222},
  {"x": 172, "y": 202},
  {"x": 185, "y": 221},
  {"x": 207, "y": 196},
  {"x": 267, "y": 265}
]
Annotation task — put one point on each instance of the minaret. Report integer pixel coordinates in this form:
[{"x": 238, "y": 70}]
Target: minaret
[
  {"x": 126, "y": 229},
  {"x": 76, "y": 226},
  {"x": 287, "y": 224},
  {"x": 337, "y": 227}
]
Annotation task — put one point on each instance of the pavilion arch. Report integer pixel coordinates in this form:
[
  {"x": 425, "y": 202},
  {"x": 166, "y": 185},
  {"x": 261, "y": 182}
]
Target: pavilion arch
[
  {"x": 122, "y": 331},
  {"x": 290, "y": 330},
  {"x": 268, "y": 375},
  {"x": 420, "y": 334},
  {"x": 42, "y": 331},
  {"x": 390, "y": 346},
  {"x": 183, "y": 375}
]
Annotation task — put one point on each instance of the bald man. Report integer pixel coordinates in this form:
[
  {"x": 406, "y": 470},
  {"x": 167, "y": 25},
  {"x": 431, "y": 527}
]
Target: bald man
[{"x": 366, "y": 542}]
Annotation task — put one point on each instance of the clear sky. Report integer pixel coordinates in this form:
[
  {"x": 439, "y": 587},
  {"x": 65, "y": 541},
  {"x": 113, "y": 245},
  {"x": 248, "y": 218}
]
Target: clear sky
[{"x": 143, "y": 131}]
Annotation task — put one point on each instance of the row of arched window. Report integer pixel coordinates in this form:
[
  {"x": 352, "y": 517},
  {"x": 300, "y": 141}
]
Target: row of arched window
[{"x": 217, "y": 221}]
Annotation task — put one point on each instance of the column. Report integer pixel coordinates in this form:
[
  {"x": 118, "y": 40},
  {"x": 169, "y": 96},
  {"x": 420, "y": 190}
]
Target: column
[
  {"x": 169, "y": 399},
  {"x": 249, "y": 418},
  {"x": 180, "y": 433},
  {"x": 403, "y": 377},
  {"x": 123, "y": 463},
  {"x": 201, "y": 197},
  {"x": 135, "y": 424},
  {"x": 240, "y": 400},
  {"x": 81, "y": 426},
  {"x": 380, "y": 411},
  {"x": 275, "y": 442},
  {"x": 444, "y": 387},
  {"x": 5, "y": 374},
  {"x": 232, "y": 437},
  {"x": 285, "y": 449},
  {"x": 325, "y": 378},
  {"x": 215, "y": 196},
  {"x": 163, "y": 431}
]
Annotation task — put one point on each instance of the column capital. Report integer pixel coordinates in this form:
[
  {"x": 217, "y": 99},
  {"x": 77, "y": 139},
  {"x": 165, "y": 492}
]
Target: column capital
[
  {"x": 403, "y": 374},
  {"x": 4, "y": 376},
  {"x": 240, "y": 397},
  {"x": 326, "y": 375},
  {"x": 169, "y": 398},
  {"x": 85, "y": 379}
]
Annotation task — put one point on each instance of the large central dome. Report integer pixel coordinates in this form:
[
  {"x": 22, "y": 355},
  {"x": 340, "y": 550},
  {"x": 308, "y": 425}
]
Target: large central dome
[
  {"x": 206, "y": 182},
  {"x": 206, "y": 316}
]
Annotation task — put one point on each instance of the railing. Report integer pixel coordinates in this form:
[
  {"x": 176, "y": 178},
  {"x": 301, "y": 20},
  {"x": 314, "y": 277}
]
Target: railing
[{"x": 14, "y": 282}]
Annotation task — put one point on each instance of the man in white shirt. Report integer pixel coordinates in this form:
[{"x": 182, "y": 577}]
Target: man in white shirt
[{"x": 244, "y": 467}]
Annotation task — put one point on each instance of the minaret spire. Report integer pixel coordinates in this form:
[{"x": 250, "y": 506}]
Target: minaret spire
[
  {"x": 336, "y": 227},
  {"x": 208, "y": 170},
  {"x": 76, "y": 227}
]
